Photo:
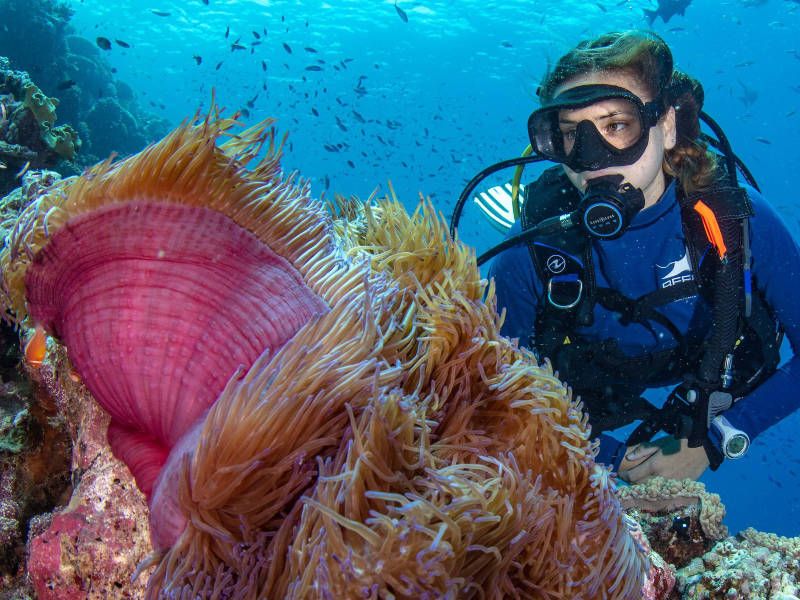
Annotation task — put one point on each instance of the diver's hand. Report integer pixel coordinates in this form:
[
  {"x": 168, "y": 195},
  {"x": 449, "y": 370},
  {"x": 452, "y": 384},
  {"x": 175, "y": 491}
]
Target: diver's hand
[{"x": 666, "y": 457}]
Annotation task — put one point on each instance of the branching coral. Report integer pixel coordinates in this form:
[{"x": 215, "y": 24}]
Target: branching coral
[{"x": 393, "y": 445}]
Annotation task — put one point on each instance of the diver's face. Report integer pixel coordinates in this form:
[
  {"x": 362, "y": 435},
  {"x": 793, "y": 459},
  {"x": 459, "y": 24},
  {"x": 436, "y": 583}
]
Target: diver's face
[{"x": 616, "y": 126}]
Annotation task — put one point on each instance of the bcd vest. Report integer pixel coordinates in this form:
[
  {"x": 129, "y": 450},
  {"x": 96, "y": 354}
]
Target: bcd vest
[{"x": 609, "y": 383}]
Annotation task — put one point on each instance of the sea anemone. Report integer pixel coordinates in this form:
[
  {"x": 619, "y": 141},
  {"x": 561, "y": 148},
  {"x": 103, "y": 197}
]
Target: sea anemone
[{"x": 317, "y": 402}]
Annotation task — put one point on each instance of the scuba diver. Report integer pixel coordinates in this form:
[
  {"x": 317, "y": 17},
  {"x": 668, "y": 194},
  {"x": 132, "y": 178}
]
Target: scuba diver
[{"x": 640, "y": 262}]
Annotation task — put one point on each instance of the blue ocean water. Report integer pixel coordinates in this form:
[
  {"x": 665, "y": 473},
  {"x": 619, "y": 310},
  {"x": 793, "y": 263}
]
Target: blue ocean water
[{"x": 426, "y": 94}]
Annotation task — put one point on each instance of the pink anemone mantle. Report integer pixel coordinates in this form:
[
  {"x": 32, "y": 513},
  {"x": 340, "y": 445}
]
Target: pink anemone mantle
[{"x": 159, "y": 305}]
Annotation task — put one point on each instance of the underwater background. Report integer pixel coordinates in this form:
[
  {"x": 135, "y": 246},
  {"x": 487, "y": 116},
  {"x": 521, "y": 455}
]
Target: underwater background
[{"x": 422, "y": 94}]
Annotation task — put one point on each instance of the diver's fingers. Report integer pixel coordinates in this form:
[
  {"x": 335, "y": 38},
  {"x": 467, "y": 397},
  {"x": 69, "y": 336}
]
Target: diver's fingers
[
  {"x": 638, "y": 473},
  {"x": 640, "y": 453}
]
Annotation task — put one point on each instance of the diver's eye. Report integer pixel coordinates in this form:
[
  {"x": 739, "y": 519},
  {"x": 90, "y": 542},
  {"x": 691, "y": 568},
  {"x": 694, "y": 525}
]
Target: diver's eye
[{"x": 616, "y": 127}]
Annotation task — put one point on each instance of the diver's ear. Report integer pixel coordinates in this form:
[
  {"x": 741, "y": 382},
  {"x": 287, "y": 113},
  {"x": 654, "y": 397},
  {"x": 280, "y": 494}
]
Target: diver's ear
[{"x": 669, "y": 128}]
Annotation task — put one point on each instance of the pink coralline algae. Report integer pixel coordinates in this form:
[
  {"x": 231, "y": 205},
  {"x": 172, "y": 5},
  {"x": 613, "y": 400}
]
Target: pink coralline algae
[{"x": 88, "y": 549}]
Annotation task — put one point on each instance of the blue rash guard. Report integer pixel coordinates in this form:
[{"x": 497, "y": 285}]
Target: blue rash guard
[{"x": 650, "y": 255}]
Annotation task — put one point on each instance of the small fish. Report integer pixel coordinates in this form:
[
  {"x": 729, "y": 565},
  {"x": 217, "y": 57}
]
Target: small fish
[
  {"x": 160, "y": 13},
  {"x": 23, "y": 170},
  {"x": 104, "y": 43},
  {"x": 197, "y": 58},
  {"x": 123, "y": 43},
  {"x": 263, "y": 65},
  {"x": 66, "y": 84},
  {"x": 314, "y": 111},
  {"x": 219, "y": 64},
  {"x": 506, "y": 44},
  {"x": 359, "y": 117},
  {"x": 227, "y": 31},
  {"x": 287, "y": 48},
  {"x": 310, "y": 49},
  {"x": 400, "y": 12},
  {"x": 36, "y": 347},
  {"x": 257, "y": 35},
  {"x": 236, "y": 46},
  {"x": 314, "y": 68},
  {"x": 763, "y": 140},
  {"x": 352, "y": 165}
]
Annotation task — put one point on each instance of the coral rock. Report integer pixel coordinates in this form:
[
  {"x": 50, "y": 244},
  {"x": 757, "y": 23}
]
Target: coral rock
[{"x": 90, "y": 548}]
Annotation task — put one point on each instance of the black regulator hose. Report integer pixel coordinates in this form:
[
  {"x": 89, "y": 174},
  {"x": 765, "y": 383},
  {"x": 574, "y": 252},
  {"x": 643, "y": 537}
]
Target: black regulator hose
[{"x": 473, "y": 183}]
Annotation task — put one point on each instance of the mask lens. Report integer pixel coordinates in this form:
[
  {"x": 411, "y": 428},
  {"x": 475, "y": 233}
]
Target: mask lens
[
  {"x": 591, "y": 127},
  {"x": 617, "y": 120}
]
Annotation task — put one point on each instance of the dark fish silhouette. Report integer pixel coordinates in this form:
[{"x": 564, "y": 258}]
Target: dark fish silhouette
[
  {"x": 197, "y": 58},
  {"x": 123, "y": 44},
  {"x": 310, "y": 49},
  {"x": 104, "y": 43},
  {"x": 227, "y": 31},
  {"x": 287, "y": 48},
  {"x": 65, "y": 85},
  {"x": 314, "y": 68},
  {"x": 219, "y": 64},
  {"x": 401, "y": 12},
  {"x": 666, "y": 9},
  {"x": 263, "y": 65},
  {"x": 314, "y": 111},
  {"x": 160, "y": 13},
  {"x": 236, "y": 46}
]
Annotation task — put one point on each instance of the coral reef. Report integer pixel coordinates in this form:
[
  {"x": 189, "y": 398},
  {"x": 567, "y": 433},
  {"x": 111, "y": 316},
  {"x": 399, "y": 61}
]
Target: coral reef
[
  {"x": 751, "y": 564},
  {"x": 90, "y": 547},
  {"x": 680, "y": 519},
  {"x": 72, "y": 68},
  {"x": 29, "y": 137},
  {"x": 683, "y": 522},
  {"x": 34, "y": 472},
  {"x": 377, "y": 435}
]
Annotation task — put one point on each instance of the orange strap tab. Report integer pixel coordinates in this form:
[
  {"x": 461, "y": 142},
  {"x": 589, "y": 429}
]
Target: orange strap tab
[{"x": 711, "y": 226}]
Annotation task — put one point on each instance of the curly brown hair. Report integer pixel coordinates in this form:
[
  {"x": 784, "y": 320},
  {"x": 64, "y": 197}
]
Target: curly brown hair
[{"x": 646, "y": 57}]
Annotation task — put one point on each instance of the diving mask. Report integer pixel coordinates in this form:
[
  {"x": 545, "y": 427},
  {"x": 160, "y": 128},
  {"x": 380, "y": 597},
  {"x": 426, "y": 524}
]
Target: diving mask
[{"x": 616, "y": 135}]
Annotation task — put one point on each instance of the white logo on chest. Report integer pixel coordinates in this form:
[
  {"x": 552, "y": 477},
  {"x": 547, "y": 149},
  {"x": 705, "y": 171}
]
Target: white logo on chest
[{"x": 678, "y": 271}]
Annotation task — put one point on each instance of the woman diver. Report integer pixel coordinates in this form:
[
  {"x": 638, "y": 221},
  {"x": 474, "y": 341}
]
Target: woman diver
[{"x": 648, "y": 265}]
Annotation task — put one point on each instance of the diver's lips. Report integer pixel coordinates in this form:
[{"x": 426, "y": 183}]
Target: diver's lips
[{"x": 159, "y": 305}]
